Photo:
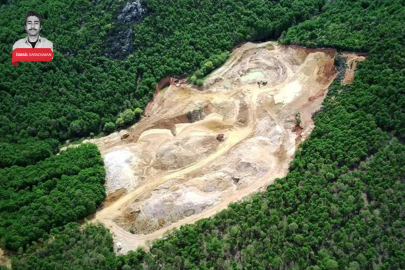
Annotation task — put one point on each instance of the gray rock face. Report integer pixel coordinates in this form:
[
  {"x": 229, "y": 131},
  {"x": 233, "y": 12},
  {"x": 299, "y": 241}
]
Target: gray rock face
[
  {"x": 132, "y": 12},
  {"x": 120, "y": 40}
]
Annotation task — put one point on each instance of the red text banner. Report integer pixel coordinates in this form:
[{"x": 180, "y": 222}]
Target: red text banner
[{"x": 23, "y": 55}]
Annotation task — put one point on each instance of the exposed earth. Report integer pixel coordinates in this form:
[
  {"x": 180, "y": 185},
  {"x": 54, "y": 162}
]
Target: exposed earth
[
  {"x": 4, "y": 259},
  {"x": 198, "y": 149},
  {"x": 351, "y": 64}
]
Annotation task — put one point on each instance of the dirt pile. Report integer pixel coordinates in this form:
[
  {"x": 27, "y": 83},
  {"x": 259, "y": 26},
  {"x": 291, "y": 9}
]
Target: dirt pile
[{"x": 174, "y": 168}]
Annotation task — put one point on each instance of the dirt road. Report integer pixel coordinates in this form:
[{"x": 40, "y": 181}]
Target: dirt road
[{"x": 176, "y": 169}]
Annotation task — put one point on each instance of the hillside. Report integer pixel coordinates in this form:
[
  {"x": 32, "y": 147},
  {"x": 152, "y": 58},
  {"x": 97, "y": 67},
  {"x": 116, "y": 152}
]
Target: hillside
[
  {"x": 340, "y": 206},
  {"x": 161, "y": 178}
]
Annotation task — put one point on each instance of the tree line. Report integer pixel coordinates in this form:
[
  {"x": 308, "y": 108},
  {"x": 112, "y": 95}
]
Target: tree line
[{"x": 341, "y": 204}]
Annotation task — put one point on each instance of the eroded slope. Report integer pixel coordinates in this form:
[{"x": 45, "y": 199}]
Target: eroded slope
[{"x": 197, "y": 150}]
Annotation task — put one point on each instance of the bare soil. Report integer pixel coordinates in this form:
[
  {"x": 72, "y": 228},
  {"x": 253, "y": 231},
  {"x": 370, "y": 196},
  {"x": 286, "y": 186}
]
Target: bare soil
[
  {"x": 173, "y": 169},
  {"x": 351, "y": 64},
  {"x": 4, "y": 259}
]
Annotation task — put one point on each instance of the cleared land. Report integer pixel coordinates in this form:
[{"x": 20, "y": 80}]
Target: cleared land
[
  {"x": 4, "y": 259},
  {"x": 351, "y": 63},
  {"x": 173, "y": 168}
]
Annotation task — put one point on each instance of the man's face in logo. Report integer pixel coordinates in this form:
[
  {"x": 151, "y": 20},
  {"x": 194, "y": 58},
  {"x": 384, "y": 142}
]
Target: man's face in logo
[{"x": 32, "y": 26}]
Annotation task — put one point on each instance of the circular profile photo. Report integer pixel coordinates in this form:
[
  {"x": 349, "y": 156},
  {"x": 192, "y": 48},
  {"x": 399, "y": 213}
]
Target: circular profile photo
[{"x": 33, "y": 25}]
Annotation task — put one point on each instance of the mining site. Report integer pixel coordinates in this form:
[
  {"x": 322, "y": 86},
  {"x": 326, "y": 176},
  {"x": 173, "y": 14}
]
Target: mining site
[{"x": 197, "y": 149}]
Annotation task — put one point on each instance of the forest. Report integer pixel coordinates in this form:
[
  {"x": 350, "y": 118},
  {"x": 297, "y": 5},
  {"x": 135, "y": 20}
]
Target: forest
[
  {"x": 82, "y": 91},
  {"x": 51, "y": 193},
  {"x": 341, "y": 206}
]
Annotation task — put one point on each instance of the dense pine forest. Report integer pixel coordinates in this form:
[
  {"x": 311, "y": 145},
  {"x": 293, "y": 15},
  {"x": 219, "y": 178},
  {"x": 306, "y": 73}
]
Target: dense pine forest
[
  {"x": 51, "y": 193},
  {"x": 342, "y": 205}
]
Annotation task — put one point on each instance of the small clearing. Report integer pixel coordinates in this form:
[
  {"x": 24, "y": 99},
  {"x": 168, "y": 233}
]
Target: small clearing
[{"x": 351, "y": 64}]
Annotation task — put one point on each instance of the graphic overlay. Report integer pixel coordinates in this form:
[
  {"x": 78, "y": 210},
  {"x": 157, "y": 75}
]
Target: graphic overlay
[{"x": 25, "y": 55}]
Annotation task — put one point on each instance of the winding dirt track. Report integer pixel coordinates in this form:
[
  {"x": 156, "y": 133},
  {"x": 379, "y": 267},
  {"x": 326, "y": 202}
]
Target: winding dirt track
[
  {"x": 106, "y": 215},
  {"x": 235, "y": 136},
  {"x": 297, "y": 82}
]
